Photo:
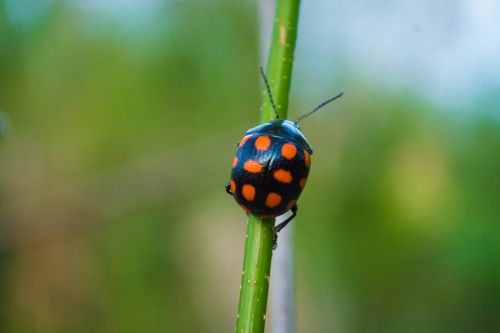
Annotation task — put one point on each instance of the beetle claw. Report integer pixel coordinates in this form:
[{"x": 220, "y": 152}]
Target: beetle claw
[{"x": 228, "y": 189}]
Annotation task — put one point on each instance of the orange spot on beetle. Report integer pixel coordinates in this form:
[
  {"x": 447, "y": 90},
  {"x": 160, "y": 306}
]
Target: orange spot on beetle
[
  {"x": 252, "y": 166},
  {"x": 233, "y": 186},
  {"x": 302, "y": 182},
  {"x": 290, "y": 204},
  {"x": 235, "y": 161},
  {"x": 288, "y": 151},
  {"x": 283, "y": 176},
  {"x": 248, "y": 192},
  {"x": 307, "y": 158},
  {"x": 263, "y": 142},
  {"x": 273, "y": 200},
  {"x": 245, "y": 139}
]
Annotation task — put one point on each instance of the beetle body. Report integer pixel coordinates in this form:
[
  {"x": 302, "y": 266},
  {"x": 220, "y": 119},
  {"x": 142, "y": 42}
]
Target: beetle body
[{"x": 270, "y": 168}]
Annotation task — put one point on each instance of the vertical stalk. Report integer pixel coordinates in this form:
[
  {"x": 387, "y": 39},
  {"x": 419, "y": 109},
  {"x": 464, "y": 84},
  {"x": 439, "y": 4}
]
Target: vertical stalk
[
  {"x": 282, "y": 292},
  {"x": 255, "y": 276},
  {"x": 258, "y": 247},
  {"x": 281, "y": 56}
]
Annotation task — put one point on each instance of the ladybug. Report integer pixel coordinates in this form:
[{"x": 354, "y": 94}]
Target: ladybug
[{"x": 271, "y": 166}]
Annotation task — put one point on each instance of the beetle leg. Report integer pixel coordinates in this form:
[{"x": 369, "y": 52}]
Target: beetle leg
[
  {"x": 228, "y": 189},
  {"x": 283, "y": 224}
]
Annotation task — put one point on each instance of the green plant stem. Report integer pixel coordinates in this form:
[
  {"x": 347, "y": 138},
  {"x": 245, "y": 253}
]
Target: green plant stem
[
  {"x": 255, "y": 275},
  {"x": 259, "y": 241},
  {"x": 281, "y": 56}
]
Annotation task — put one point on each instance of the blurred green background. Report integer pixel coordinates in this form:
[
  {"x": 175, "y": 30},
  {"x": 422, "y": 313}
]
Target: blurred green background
[{"x": 118, "y": 124}]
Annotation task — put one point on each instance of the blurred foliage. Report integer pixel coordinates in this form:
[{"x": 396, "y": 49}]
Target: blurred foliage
[{"x": 114, "y": 149}]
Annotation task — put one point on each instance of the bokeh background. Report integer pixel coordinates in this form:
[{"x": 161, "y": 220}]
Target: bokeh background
[{"x": 118, "y": 124}]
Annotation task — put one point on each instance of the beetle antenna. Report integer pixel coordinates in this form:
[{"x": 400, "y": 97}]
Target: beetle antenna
[
  {"x": 318, "y": 107},
  {"x": 269, "y": 92}
]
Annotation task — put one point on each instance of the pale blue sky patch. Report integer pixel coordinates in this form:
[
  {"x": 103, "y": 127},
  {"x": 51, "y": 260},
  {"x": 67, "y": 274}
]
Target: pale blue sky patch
[{"x": 444, "y": 51}]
